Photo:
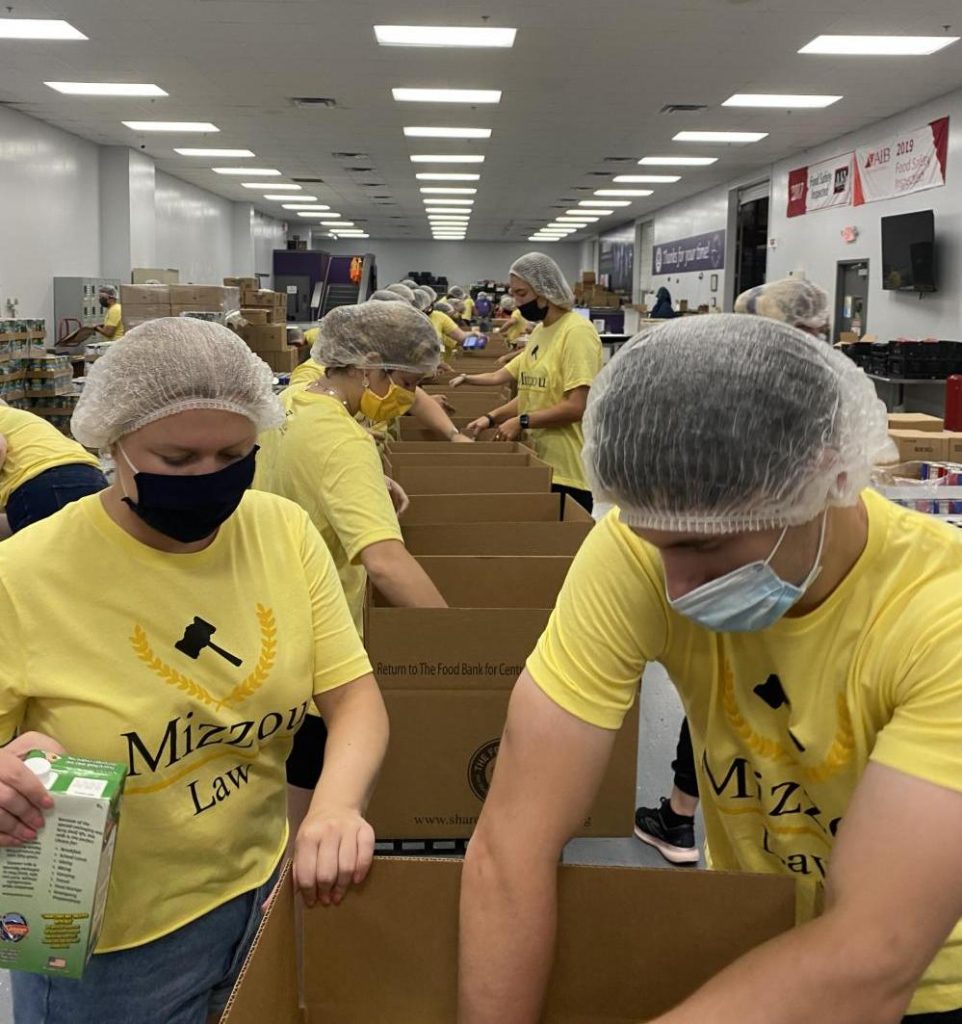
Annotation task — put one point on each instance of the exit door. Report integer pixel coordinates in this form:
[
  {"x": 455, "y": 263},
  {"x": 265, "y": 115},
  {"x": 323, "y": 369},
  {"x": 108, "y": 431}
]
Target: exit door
[{"x": 851, "y": 298}]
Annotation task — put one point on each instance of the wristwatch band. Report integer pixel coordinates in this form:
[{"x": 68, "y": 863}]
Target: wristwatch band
[
  {"x": 491, "y": 420},
  {"x": 525, "y": 421}
]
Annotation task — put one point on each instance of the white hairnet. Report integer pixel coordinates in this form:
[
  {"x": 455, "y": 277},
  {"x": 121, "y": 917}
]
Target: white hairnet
[
  {"x": 170, "y": 365},
  {"x": 431, "y": 292},
  {"x": 386, "y": 295},
  {"x": 402, "y": 290},
  {"x": 456, "y": 292},
  {"x": 444, "y": 307},
  {"x": 728, "y": 423},
  {"x": 508, "y": 304},
  {"x": 409, "y": 283},
  {"x": 380, "y": 335},
  {"x": 544, "y": 277},
  {"x": 422, "y": 299},
  {"x": 791, "y": 300},
  {"x": 109, "y": 290}
]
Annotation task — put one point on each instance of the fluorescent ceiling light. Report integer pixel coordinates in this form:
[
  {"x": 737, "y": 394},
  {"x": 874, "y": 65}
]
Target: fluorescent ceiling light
[
  {"x": 787, "y": 102},
  {"x": 450, "y": 191},
  {"x": 429, "y": 201},
  {"x": 312, "y": 216},
  {"x": 171, "y": 126},
  {"x": 584, "y": 214},
  {"x": 449, "y": 215},
  {"x": 447, "y": 177},
  {"x": 434, "y": 35},
  {"x": 106, "y": 89},
  {"x": 879, "y": 46},
  {"x": 542, "y": 238},
  {"x": 352, "y": 234},
  {"x": 448, "y": 133},
  {"x": 678, "y": 161},
  {"x": 600, "y": 213},
  {"x": 574, "y": 220},
  {"x": 226, "y": 153},
  {"x": 720, "y": 136},
  {"x": 270, "y": 185},
  {"x": 604, "y": 202},
  {"x": 615, "y": 192},
  {"x": 646, "y": 179},
  {"x": 302, "y": 205},
  {"x": 447, "y": 95},
  {"x": 37, "y": 28},
  {"x": 446, "y": 158},
  {"x": 337, "y": 223},
  {"x": 254, "y": 172},
  {"x": 287, "y": 198}
]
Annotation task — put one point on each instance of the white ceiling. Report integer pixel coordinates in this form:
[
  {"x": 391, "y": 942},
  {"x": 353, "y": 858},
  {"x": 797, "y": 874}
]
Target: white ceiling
[{"x": 585, "y": 81}]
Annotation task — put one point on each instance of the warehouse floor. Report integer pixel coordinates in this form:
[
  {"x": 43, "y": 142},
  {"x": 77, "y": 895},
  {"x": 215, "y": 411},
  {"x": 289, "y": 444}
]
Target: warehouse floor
[{"x": 660, "y": 720}]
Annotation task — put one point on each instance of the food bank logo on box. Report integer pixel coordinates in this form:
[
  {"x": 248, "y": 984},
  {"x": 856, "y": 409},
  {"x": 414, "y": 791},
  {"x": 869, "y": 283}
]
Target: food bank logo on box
[{"x": 481, "y": 768}]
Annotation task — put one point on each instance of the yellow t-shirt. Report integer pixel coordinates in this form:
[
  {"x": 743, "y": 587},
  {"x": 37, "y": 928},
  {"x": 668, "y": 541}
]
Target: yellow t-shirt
[
  {"x": 447, "y": 330},
  {"x": 557, "y": 359},
  {"x": 204, "y": 815},
  {"x": 33, "y": 447},
  {"x": 784, "y": 721},
  {"x": 516, "y": 328},
  {"x": 468, "y": 307},
  {"x": 312, "y": 334},
  {"x": 115, "y": 318},
  {"x": 306, "y": 373},
  {"x": 324, "y": 460}
]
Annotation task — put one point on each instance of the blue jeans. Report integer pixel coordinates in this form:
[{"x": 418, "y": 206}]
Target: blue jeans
[
  {"x": 50, "y": 491},
  {"x": 178, "y": 979}
]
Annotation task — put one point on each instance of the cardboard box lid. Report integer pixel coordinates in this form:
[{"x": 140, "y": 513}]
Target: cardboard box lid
[
  {"x": 521, "y": 539},
  {"x": 632, "y": 943},
  {"x": 474, "y": 480},
  {"x": 915, "y": 421},
  {"x": 485, "y": 508}
]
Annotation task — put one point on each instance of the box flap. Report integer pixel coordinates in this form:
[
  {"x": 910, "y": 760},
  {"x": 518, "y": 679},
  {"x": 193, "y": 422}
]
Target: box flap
[
  {"x": 496, "y": 538},
  {"x": 474, "y": 480},
  {"x": 485, "y": 508}
]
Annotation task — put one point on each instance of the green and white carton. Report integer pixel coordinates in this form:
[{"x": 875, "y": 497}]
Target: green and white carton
[{"x": 53, "y": 890}]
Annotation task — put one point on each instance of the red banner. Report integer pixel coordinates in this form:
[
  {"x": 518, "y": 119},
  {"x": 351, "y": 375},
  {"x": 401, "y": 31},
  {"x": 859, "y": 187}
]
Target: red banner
[
  {"x": 821, "y": 186},
  {"x": 798, "y": 192}
]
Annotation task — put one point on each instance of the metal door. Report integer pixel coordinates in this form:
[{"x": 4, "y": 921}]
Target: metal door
[
  {"x": 298, "y": 291},
  {"x": 851, "y": 298}
]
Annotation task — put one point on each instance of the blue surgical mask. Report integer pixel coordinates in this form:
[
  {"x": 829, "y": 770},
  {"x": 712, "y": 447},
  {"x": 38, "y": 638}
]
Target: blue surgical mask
[{"x": 749, "y": 599}]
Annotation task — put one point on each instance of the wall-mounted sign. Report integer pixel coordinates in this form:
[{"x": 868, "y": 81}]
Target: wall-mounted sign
[
  {"x": 700, "y": 252},
  {"x": 821, "y": 186},
  {"x": 903, "y": 164}
]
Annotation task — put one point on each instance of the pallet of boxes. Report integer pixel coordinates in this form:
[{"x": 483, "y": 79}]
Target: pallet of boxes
[
  {"x": 928, "y": 474},
  {"x": 498, "y": 544},
  {"x": 32, "y": 378},
  {"x": 142, "y": 302},
  {"x": 264, "y": 324}
]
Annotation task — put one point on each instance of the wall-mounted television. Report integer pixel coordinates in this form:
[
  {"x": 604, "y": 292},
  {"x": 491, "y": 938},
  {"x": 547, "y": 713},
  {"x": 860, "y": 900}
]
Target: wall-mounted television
[{"x": 908, "y": 252}]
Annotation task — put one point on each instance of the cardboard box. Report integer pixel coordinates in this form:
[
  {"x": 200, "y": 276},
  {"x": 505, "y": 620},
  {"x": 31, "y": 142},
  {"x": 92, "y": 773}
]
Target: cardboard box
[
  {"x": 474, "y": 480},
  {"x": 520, "y": 539},
  {"x": 588, "y": 277},
  {"x": 920, "y": 445},
  {"x": 264, "y": 298},
  {"x": 144, "y": 295},
  {"x": 632, "y": 943},
  {"x": 491, "y": 508},
  {"x": 204, "y": 297},
  {"x": 165, "y": 275},
  {"x": 265, "y": 337},
  {"x": 254, "y": 316},
  {"x": 248, "y": 283},
  {"x": 431, "y": 448},
  {"x": 54, "y": 889},
  {"x": 953, "y": 447},
  {"x": 284, "y": 361},
  {"x": 444, "y": 456},
  {"x": 915, "y": 421}
]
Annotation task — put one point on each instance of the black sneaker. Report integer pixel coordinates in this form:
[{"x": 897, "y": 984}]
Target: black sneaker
[{"x": 676, "y": 843}]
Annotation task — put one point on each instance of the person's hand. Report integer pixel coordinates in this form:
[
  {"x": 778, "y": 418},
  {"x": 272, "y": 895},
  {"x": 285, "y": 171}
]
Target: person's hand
[
  {"x": 444, "y": 403},
  {"x": 475, "y": 427},
  {"x": 456, "y": 382},
  {"x": 399, "y": 497},
  {"x": 23, "y": 798},
  {"x": 333, "y": 851},
  {"x": 462, "y": 439},
  {"x": 445, "y": 370},
  {"x": 510, "y": 430}
]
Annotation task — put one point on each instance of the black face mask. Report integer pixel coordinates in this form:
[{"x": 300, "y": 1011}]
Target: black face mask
[
  {"x": 104, "y": 304},
  {"x": 533, "y": 312},
  {"x": 190, "y": 508}
]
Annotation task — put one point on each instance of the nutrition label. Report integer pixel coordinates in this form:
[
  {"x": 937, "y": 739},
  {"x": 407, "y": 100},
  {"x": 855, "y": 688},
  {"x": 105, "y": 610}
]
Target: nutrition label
[
  {"x": 20, "y": 869},
  {"x": 76, "y": 844}
]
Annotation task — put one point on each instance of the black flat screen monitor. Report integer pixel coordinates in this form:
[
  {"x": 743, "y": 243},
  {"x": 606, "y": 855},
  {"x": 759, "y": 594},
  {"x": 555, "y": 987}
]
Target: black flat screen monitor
[{"x": 908, "y": 252}]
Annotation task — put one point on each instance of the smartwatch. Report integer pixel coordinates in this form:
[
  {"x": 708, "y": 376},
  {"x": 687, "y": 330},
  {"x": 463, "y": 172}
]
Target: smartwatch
[
  {"x": 525, "y": 420},
  {"x": 491, "y": 420}
]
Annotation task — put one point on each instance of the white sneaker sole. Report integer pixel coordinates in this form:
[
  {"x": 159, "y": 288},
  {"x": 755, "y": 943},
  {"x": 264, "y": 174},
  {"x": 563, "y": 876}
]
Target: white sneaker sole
[{"x": 673, "y": 854}]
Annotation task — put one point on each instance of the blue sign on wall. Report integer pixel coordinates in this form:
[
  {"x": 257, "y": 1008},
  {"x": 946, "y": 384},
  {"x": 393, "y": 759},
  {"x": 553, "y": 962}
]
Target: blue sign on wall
[{"x": 700, "y": 252}]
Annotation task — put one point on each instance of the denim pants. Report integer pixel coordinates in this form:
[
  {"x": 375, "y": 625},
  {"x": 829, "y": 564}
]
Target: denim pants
[{"x": 50, "y": 491}]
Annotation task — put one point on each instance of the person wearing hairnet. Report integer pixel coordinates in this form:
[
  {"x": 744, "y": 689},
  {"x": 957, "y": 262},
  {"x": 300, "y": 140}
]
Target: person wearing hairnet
[
  {"x": 458, "y": 294},
  {"x": 322, "y": 459},
  {"x": 113, "y": 326},
  {"x": 402, "y": 289},
  {"x": 212, "y": 619},
  {"x": 747, "y": 555},
  {"x": 41, "y": 470},
  {"x": 554, "y": 374},
  {"x": 670, "y": 827},
  {"x": 514, "y": 328},
  {"x": 448, "y": 332}
]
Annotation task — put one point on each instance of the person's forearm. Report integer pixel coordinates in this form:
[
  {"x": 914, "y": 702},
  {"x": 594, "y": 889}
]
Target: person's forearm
[
  {"x": 508, "y": 920},
  {"x": 400, "y": 578},
  {"x": 357, "y": 735},
  {"x": 488, "y": 380},
  {"x": 559, "y": 415},
  {"x": 823, "y": 971},
  {"x": 429, "y": 414},
  {"x": 505, "y": 412}
]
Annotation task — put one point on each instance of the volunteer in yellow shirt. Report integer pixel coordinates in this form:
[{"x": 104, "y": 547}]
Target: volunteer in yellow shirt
[
  {"x": 41, "y": 470},
  {"x": 812, "y": 630},
  {"x": 449, "y": 334},
  {"x": 113, "y": 326},
  {"x": 554, "y": 375},
  {"x": 459, "y": 294},
  {"x": 199, "y": 622}
]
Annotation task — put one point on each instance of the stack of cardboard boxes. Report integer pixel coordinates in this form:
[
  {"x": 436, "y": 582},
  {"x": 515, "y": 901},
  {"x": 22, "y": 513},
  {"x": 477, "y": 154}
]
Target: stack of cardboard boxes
[
  {"x": 923, "y": 438},
  {"x": 32, "y": 378},
  {"x": 589, "y": 293},
  {"x": 19, "y": 340},
  {"x": 258, "y": 305},
  {"x": 265, "y": 323},
  {"x": 142, "y": 302}
]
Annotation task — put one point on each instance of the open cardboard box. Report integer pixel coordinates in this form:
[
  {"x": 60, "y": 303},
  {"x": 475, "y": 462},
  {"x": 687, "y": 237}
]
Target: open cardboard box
[
  {"x": 520, "y": 539},
  {"x": 632, "y": 943},
  {"x": 467, "y": 509},
  {"x": 434, "y": 448},
  {"x": 472, "y": 479},
  {"x": 446, "y": 456}
]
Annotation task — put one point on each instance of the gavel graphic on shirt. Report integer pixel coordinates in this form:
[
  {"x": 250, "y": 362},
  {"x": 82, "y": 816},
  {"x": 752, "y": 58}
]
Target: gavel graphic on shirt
[{"x": 197, "y": 637}]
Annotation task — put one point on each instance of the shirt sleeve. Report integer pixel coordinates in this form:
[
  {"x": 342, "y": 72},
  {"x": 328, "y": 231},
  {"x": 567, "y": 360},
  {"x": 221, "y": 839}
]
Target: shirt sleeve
[
  {"x": 113, "y": 317},
  {"x": 514, "y": 367},
  {"x": 13, "y": 674},
  {"x": 449, "y": 328},
  {"x": 582, "y": 357},
  {"x": 608, "y": 623},
  {"x": 923, "y": 737},
  {"x": 354, "y": 497},
  {"x": 339, "y": 656}
]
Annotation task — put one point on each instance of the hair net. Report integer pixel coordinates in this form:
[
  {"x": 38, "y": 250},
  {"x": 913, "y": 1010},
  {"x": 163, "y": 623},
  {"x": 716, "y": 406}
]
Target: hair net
[
  {"x": 380, "y": 335},
  {"x": 444, "y": 307},
  {"x": 409, "y": 283},
  {"x": 791, "y": 300},
  {"x": 386, "y": 295},
  {"x": 726, "y": 423},
  {"x": 422, "y": 299},
  {"x": 108, "y": 289},
  {"x": 167, "y": 366},
  {"x": 544, "y": 277},
  {"x": 430, "y": 291},
  {"x": 402, "y": 290},
  {"x": 457, "y": 292},
  {"x": 508, "y": 304}
]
